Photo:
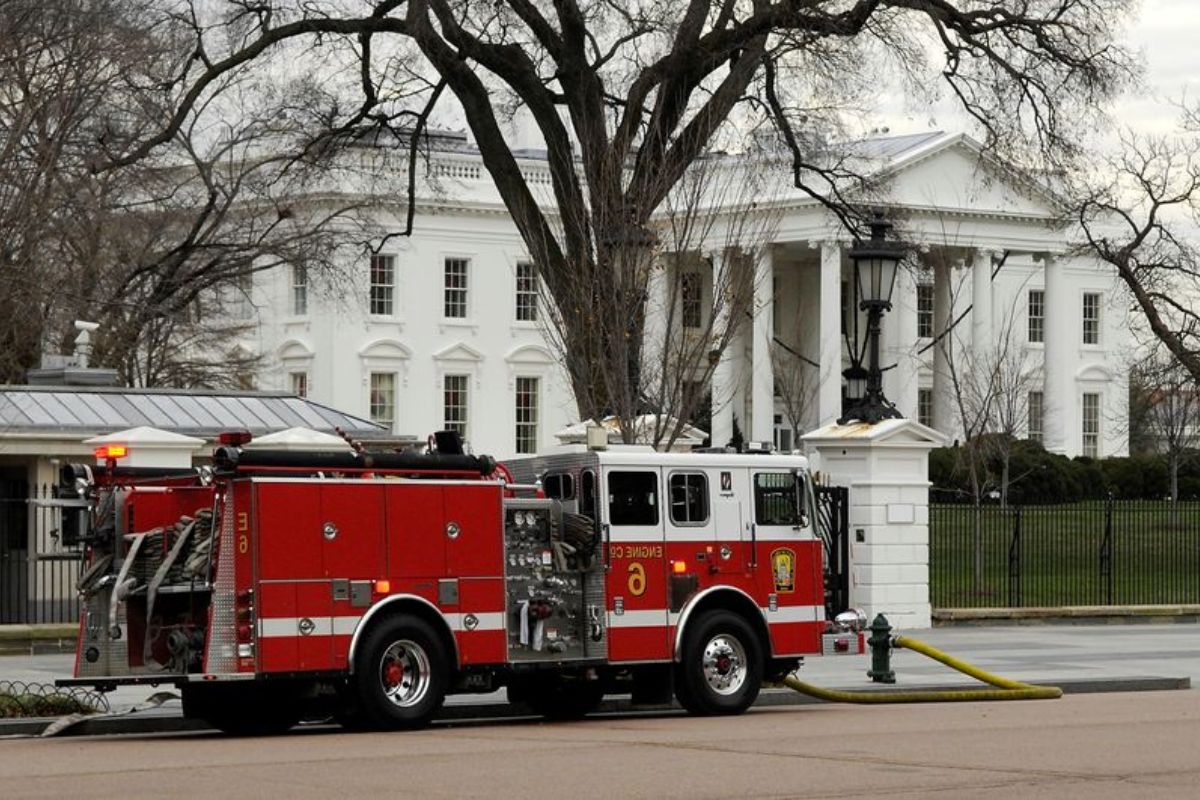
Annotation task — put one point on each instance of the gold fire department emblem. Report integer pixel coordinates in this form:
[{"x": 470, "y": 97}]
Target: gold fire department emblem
[{"x": 783, "y": 568}]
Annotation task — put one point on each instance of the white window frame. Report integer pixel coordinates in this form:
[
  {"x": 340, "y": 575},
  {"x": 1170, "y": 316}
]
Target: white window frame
[
  {"x": 387, "y": 299},
  {"x": 693, "y": 304},
  {"x": 925, "y": 401},
  {"x": 298, "y": 296},
  {"x": 1098, "y": 320},
  {"x": 532, "y": 426},
  {"x": 1040, "y": 316},
  {"x": 395, "y": 403},
  {"x": 463, "y": 425},
  {"x": 299, "y": 382},
  {"x": 525, "y": 298},
  {"x": 1036, "y": 432},
  {"x": 465, "y": 288},
  {"x": 924, "y": 316},
  {"x": 1089, "y": 449}
]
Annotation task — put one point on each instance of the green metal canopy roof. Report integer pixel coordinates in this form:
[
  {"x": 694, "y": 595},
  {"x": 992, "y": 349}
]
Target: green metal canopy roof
[{"x": 88, "y": 410}]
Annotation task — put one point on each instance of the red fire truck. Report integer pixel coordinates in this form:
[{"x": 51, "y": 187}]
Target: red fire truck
[{"x": 278, "y": 585}]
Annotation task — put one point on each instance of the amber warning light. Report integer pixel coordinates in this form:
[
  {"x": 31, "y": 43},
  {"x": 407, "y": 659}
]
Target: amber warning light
[{"x": 109, "y": 451}]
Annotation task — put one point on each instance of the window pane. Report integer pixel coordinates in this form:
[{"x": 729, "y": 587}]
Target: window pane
[
  {"x": 456, "y": 288},
  {"x": 1091, "y": 318},
  {"x": 299, "y": 289},
  {"x": 1091, "y": 425},
  {"x": 299, "y": 384},
  {"x": 527, "y": 414},
  {"x": 1036, "y": 416},
  {"x": 690, "y": 298},
  {"x": 925, "y": 407},
  {"x": 383, "y": 399},
  {"x": 1037, "y": 315},
  {"x": 455, "y": 404},
  {"x": 383, "y": 282},
  {"x": 689, "y": 498},
  {"x": 559, "y": 486},
  {"x": 925, "y": 310},
  {"x": 632, "y": 498},
  {"x": 527, "y": 292},
  {"x": 775, "y": 498}
]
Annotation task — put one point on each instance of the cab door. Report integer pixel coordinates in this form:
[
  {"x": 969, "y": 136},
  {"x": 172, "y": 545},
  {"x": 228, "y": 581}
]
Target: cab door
[
  {"x": 637, "y": 591},
  {"x": 731, "y": 518}
]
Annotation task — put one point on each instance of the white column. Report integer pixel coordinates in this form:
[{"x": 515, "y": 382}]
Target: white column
[
  {"x": 943, "y": 386},
  {"x": 829, "y": 393},
  {"x": 981, "y": 302},
  {"x": 762, "y": 386},
  {"x": 658, "y": 297},
  {"x": 1057, "y": 369},
  {"x": 900, "y": 334},
  {"x": 722, "y": 378}
]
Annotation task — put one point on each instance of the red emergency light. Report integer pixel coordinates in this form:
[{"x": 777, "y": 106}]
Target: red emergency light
[
  {"x": 110, "y": 451},
  {"x": 234, "y": 438}
]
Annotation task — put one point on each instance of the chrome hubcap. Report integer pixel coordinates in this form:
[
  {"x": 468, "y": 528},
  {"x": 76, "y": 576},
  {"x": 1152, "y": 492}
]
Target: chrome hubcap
[
  {"x": 724, "y": 664},
  {"x": 404, "y": 673}
]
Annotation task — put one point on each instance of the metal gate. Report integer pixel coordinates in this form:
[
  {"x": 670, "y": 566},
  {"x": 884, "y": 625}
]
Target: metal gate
[
  {"x": 37, "y": 575},
  {"x": 833, "y": 525}
]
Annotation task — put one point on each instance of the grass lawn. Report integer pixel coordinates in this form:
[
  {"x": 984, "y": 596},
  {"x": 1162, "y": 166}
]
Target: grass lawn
[{"x": 1155, "y": 555}]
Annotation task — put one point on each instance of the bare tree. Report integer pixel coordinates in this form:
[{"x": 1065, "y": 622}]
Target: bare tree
[
  {"x": 146, "y": 247},
  {"x": 626, "y": 96},
  {"x": 1173, "y": 414},
  {"x": 1139, "y": 214}
]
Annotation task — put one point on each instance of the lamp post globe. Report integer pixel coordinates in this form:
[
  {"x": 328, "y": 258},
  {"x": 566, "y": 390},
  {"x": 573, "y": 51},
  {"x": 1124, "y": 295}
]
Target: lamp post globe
[{"x": 876, "y": 262}]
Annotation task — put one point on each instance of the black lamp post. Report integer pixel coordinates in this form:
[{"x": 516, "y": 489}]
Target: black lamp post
[{"x": 875, "y": 265}]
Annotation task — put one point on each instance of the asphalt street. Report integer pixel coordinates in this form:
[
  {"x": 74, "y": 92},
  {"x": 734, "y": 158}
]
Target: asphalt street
[
  {"x": 1038, "y": 654},
  {"x": 1093, "y": 746}
]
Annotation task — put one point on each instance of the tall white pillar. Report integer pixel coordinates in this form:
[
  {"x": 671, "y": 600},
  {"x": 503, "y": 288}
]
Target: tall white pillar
[
  {"x": 829, "y": 393},
  {"x": 981, "y": 302},
  {"x": 762, "y": 387},
  {"x": 1057, "y": 369},
  {"x": 943, "y": 384},
  {"x": 658, "y": 298},
  {"x": 722, "y": 378},
  {"x": 900, "y": 336}
]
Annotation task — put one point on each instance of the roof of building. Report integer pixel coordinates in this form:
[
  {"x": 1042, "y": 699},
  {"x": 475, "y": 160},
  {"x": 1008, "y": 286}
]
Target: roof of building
[{"x": 89, "y": 410}]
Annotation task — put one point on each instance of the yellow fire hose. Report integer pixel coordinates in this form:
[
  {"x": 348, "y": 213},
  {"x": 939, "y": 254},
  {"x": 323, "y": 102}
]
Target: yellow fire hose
[{"x": 1006, "y": 689}]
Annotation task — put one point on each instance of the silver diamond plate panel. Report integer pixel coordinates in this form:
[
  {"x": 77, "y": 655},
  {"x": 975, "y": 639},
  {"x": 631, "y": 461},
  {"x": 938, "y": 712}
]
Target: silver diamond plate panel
[{"x": 221, "y": 655}]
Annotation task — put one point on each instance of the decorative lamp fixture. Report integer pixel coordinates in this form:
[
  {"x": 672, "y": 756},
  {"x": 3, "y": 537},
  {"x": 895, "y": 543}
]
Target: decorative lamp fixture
[{"x": 876, "y": 262}]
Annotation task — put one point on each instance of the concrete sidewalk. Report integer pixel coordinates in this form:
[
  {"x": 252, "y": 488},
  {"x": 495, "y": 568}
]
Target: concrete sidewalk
[{"x": 1082, "y": 658}]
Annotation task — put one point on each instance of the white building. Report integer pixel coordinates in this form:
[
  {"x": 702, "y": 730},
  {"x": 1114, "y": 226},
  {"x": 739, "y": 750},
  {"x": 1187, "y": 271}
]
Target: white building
[{"x": 440, "y": 329}]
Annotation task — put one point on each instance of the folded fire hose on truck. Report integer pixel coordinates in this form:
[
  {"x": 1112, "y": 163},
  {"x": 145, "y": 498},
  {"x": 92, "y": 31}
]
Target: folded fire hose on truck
[{"x": 1005, "y": 688}]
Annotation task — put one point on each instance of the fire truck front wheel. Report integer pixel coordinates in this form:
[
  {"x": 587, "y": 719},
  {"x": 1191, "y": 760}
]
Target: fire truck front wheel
[
  {"x": 401, "y": 673},
  {"x": 720, "y": 670}
]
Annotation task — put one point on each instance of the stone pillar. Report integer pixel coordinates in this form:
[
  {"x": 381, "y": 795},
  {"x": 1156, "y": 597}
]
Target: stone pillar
[
  {"x": 943, "y": 384},
  {"x": 762, "y": 389},
  {"x": 722, "y": 377},
  {"x": 1059, "y": 339},
  {"x": 886, "y": 468},
  {"x": 981, "y": 302},
  {"x": 829, "y": 392},
  {"x": 899, "y": 336}
]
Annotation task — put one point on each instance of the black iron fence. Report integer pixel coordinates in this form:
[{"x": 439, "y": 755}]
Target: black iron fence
[
  {"x": 1104, "y": 552},
  {"x": 37, "y": 575}
]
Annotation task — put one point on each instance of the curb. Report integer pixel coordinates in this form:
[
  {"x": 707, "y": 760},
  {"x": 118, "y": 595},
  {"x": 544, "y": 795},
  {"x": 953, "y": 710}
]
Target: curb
[
  {"x": 1068, "y": 615},
  {"x": 51, "y": 638},
  {"x": 770, "y": 698}
]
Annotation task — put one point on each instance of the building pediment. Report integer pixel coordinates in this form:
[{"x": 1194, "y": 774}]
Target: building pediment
[
  {"x": 953, "y": 174},
  {"x": 458, "y": 352}
]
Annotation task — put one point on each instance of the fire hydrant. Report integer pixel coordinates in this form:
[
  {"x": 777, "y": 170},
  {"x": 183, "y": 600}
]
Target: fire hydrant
[{"x": 880, "y": 643}]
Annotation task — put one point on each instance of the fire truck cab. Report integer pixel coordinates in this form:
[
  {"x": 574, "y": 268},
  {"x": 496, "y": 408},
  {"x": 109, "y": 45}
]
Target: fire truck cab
[{"x": 368, "y": 586}]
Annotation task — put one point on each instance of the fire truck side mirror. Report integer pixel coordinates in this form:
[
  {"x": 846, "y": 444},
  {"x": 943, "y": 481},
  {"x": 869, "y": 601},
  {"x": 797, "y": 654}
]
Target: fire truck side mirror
[{"x": 800, "y": 493}]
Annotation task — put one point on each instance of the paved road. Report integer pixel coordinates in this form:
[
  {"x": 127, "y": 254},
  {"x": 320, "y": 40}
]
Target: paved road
[
  {"x": 1042, "y": 654},
  {"x": 1084, "y": 746}
]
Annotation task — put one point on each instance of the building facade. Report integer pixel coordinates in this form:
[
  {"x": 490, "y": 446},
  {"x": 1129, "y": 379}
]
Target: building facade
[{"x": 444, "y": 329}]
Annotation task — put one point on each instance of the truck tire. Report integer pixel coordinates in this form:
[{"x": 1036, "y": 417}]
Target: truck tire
[
  {"x": 720, "y": 670},
  {"x": 401, "y": 674},
  {"x": 557, "y": 698},
  {"x": 242, "y": 710}
]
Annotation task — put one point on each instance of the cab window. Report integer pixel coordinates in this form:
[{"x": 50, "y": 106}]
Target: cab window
[
  {"x": 775, "y": 499},
  {"x": 689, "y": 498},
  {"x": 632, "y": 498},
  {"x": 587, "y": 493},
  {"x": 559, "y": 486}
]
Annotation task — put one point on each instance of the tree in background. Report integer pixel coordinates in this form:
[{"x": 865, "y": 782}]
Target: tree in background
[
  {"x": 1172, "y": 414},
  {"x": 628, "y": 95},
  {"x": 152, "y": 249}
]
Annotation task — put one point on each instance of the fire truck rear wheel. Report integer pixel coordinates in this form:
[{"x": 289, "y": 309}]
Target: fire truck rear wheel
[
  {"x": 401, "y": 674},
  {"x": 721, "y": 665}
]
